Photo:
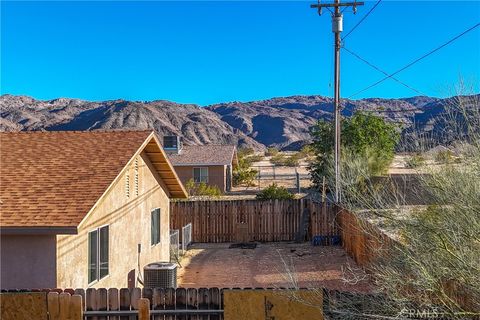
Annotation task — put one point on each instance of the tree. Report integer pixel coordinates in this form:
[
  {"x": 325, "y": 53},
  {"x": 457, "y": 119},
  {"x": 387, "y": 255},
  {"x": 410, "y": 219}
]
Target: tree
[{"x": 363, "y": 135}]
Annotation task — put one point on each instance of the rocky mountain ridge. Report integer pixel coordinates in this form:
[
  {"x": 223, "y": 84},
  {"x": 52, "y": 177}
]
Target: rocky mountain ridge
[{"x": 281, "y": 122}]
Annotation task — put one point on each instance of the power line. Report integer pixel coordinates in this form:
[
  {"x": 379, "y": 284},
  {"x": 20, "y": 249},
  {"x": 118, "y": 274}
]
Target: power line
[
  {"x": 380, "y": 70},
  {"x": 361, "y": 20},
  {"x": 415, "y": 61}
]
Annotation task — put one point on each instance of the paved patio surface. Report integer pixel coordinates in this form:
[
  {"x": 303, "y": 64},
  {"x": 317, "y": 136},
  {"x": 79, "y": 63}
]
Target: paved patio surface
[{"x": 215, "y": 265}]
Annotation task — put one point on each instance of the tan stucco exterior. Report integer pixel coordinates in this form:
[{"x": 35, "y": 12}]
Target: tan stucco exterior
[
  {"x": 217, "y": 175},
  {"x": 129, "y": 220},
  {"x": 27, "y": 261}
]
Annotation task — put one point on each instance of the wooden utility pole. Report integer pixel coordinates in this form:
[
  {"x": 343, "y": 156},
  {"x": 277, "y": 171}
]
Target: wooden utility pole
[{"x": 337, "y": 28}]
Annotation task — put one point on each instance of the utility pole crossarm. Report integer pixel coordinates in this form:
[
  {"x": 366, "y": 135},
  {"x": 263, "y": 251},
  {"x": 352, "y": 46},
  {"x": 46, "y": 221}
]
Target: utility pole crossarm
[{"x": 343, "y": 4}]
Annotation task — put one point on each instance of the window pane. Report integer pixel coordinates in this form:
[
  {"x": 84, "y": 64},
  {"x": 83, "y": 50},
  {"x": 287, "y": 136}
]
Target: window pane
[
  {"x": 155, "y": 226},
  {"x": 196, "y": 175},
  {"x": 103, "y": 252},
  {"x": 204, "y": 174},
  {"x": 200, "y": 174},
  {"x": 92, "y": 256}
]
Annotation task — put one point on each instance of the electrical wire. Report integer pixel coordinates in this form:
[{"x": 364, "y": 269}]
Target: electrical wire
[
  {"x": 361, "y": 20},
  {"x": 380, "y": 70},
  {"x": 415, "y": 61}
]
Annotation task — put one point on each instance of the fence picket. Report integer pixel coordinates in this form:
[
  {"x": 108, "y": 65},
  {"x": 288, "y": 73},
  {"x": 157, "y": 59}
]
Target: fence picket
[
  {"x": 64, "y": 305},
  {"x": 53, "y": 306}
]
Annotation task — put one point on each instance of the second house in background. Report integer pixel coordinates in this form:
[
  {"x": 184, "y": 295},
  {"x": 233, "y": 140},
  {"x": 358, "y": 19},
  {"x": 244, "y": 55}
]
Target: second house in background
[{"x": 212, "y": 164}]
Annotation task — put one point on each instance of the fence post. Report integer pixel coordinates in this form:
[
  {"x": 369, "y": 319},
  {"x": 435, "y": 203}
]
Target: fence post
[
  {"x": 143, "y": 309},
  {"x": 297, "y": 175}
]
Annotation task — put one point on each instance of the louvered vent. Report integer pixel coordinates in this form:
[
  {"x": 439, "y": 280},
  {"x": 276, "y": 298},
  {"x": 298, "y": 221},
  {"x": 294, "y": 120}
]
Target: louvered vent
[
  {"x": 127, "y": 185},
  {"x": 136, "y": 177},
  {"x": 160, "y": 275}
]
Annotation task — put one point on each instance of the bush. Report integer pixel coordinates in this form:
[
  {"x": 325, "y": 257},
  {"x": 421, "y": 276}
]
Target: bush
[
  {"x": 271, "y": 151},
  {"x": 244, "y": 176},
  {"x": 307, "y": 151},
  {"x": 364, "y": 135},
  {"x": 415, "y": 161},
  {"x": 444, "y": 157},
  {"x": 244, "y": 152},
  {"x": 254, "y": 158},
  {"x": 202, "y": 189},
  {"x": 283, "y": 160},
  {"x": 278, "y": 159},
  {"x": 274, "y": 192}
]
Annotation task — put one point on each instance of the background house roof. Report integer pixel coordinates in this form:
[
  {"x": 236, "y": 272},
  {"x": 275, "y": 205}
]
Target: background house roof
[
  {"x": 53, "y": 179},
  {"x": 204, "y": 155}
]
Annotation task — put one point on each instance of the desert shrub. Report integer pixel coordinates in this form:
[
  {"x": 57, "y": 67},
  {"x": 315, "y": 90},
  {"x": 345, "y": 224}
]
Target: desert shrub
[
  {"x": 254, "y": 158},
  {"x": 307, "y": 151},
  {"x": 278, "y": 159},
  {"x": 287, "y": 161},
  {"x": 244, "y": 176},
  {"x": 202, "y": 189},
  {"x": 275, "y": 192},
  {"x": 415, "y": 161},
  {"x": 271, "y": 151},
  {"x": 244, "y": 152},
  {"x": 444, "y": 156}
]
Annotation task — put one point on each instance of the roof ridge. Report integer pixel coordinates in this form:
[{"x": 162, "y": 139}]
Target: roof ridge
[
  {"x": 210, "y": 144},
  {"x": 76, "y": 131}
]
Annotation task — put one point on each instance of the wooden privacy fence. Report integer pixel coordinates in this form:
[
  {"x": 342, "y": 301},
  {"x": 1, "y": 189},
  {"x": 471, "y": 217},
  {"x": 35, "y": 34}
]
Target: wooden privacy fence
[
  {"x": 170, "y": 304},
  {"x": 363, "y": 241},
  {"x": 41, "y": 306},
  {"x": 264, "y": 221},
  {"x": 154, "y": 304}
]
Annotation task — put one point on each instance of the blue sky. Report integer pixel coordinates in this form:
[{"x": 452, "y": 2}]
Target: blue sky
[{"x": 208, "y": 52}]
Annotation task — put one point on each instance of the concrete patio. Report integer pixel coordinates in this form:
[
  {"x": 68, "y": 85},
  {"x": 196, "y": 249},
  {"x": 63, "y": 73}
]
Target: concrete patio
[{"x": 278, "y": 264}]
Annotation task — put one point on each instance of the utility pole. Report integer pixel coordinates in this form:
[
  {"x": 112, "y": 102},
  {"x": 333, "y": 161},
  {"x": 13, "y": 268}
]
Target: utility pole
[{"x": 337, "y": 28}]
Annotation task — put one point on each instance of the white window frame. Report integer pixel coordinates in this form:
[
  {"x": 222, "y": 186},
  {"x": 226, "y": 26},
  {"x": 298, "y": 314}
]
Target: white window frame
[
  {"x": 98, "y": 278},
  {"x": 152, "y": 242},
  {"x": 200, "y": 180}
]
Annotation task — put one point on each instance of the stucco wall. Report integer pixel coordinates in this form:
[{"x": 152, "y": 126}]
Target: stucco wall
[
  {"x": 216, "y": 175},
  {"x": 28, "y": 261},
  {"x": 129, "y": 220}
]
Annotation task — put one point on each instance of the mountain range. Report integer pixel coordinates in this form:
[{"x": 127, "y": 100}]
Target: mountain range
[{"x": 280, "y": 122}]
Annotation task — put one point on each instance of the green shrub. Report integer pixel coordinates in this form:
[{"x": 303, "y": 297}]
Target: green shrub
[
  {"x": 415, "y": 161},
  {"x": 202, "y": 189},
  {"x": 271, "y": 151},
  {"x": 274, "y": 192},
  {"x": 244, "y": 176}
]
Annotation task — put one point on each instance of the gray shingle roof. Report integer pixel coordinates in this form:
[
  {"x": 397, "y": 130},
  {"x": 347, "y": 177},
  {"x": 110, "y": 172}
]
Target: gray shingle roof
[{"x": 203, "y": 155}]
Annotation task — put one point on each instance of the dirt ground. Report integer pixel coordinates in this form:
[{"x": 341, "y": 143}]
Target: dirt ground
[{"x": 215, "y": 265}]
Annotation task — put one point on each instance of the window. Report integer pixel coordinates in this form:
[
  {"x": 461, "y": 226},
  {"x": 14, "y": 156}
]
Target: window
[
  {"x": 97, "y": 254},
  {"x": 200, "y": 175},
  {"x": 170, "y": 142},
  {"x": 155, "y": 232}
]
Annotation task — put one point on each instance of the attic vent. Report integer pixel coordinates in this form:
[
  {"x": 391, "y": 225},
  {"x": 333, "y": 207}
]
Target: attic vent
[
  {"x": 136, "y": 177},
  {"x": 127, "y": 185}
]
